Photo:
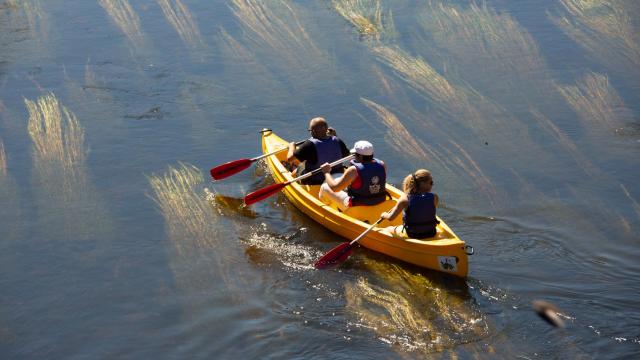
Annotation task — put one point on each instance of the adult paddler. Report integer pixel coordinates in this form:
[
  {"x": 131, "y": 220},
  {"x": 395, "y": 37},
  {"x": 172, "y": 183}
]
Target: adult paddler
[
  {"x": 362, "y": 184},
  {"x": 320, "y": 148}
]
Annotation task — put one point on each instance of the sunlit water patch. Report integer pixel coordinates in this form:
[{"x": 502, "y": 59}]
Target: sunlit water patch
[{"x": 412, "y": 313}]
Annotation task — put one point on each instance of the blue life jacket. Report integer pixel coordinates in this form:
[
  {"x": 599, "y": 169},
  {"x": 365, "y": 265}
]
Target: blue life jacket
[
  {"x": 328, "y": 150},
  {"x": 369, "y": 188},
  {"x": 419, "y": 216}
]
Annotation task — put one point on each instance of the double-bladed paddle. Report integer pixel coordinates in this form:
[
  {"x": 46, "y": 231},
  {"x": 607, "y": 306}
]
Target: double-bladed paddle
[
  {"x": 340, "y": 253},
  {"x": 233, "y": 167},
  {"x": 265, "y": 192}
]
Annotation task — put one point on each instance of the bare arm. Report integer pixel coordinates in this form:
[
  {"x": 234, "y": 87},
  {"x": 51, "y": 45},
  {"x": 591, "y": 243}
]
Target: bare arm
[
  {"x": 343, "y": 181},
  {"x": 292, "y": 148},
  {"x": 402, "y": 204}
]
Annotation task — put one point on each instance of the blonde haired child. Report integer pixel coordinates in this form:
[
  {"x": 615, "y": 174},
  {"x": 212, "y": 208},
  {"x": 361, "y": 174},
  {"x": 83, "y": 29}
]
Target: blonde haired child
[{"x": 419, "y": 206}]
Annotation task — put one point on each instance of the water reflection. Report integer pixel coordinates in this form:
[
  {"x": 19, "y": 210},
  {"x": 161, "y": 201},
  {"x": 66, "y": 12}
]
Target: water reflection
[
  {"x": 126, "y": 19},
  {"x": 605, "y": 28},
  {"x": 367, "y": 16},
  {"x": 230, "y": 206},
  {"x": 182, "y": 21},
  {"x": 411, "y": 312}
]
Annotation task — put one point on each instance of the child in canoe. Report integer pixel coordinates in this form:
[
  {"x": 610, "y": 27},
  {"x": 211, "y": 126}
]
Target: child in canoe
[{"x": 419, "y": 205}]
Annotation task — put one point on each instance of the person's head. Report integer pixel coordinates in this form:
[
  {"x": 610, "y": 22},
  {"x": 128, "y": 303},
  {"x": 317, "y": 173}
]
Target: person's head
[
  {"x": 363, "y": 151},
  {"x": 318, "y": 127},
  {"x": 418, "y": 182}
]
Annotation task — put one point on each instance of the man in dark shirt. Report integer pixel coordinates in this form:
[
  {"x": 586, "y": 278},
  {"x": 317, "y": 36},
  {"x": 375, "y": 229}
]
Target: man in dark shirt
[{"x": 321, "y": 147}]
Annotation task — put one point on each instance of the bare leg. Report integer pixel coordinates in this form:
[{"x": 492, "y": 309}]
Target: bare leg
[{"x": 329, "y": 197}]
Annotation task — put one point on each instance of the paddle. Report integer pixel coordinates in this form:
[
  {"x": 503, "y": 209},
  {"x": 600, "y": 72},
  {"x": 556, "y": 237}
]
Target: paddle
[
  {"x": 340, "y": 253},
  {"x": 233, "y": 167},
  {"x": 265, "y": 192}
]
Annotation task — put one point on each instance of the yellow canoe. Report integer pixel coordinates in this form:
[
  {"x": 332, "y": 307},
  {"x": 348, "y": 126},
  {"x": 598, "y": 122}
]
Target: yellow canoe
[{"x": 445, "y": 252}]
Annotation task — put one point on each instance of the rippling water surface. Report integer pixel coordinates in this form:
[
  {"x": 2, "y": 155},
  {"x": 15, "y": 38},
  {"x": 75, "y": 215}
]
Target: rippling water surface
[{"x": 114, "y": 243}]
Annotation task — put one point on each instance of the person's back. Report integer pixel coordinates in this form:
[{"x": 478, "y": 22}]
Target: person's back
[
  {"x": 320, "y": 148},
  {"x": 418, "y": 205},
  {"x": 364, "y": 181},
  {"x": 368, "y": 188},
  {"x": 419, "y": 217}
]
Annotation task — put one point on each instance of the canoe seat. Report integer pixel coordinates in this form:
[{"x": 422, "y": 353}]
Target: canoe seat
[{"x": 370, "y": 214}]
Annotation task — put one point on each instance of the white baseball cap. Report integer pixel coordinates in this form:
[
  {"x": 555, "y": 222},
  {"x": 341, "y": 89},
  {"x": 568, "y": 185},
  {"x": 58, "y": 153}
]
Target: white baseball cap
[{"x": 362, "y": 147}]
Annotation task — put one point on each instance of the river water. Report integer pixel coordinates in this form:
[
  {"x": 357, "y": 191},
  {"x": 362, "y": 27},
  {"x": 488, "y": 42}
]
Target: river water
[{"x": 114, "y": 242}]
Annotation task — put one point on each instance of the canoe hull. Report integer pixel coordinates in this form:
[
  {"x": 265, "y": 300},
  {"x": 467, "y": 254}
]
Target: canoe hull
[{"x": 446, "y": 252}]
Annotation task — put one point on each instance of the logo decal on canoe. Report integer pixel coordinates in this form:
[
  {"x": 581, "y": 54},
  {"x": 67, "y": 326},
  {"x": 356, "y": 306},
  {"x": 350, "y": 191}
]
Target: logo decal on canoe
[
  {"x": 448, "y": 263},
  {"x": 374, "y": 188}
]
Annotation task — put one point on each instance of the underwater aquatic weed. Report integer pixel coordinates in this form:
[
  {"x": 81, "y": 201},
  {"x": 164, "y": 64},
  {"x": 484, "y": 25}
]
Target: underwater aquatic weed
[
  {"x": 401, "y": 139},
  {"x": 182, "y": 21},
  {"x": 605, "y": 28},
  {"x": 366, "y": 16},
  {"x": 595, "y": 101},
  {"x": 125, "y": 18},
  {"x": 480, "y": 34},
  {"x": 56, "y": 133},
  {"x": 276, "y": 24}
]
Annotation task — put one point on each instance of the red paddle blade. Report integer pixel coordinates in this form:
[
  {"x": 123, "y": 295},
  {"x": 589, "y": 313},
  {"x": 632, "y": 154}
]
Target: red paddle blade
[
  {"x": 335, "y": 256},
  {"x": 227, "y": 169},
  {"x": 263, "y": 193}
]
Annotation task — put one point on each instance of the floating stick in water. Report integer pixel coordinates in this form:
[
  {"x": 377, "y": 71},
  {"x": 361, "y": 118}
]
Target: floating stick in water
[
  {"x": 3, "y": 161},
  {"x": 548, "y": 312}
]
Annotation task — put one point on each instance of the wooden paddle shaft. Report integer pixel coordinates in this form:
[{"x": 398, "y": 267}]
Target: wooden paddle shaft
[
  {"x": 366, "y": 231},
  {"x": 275, "y": 151}
]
